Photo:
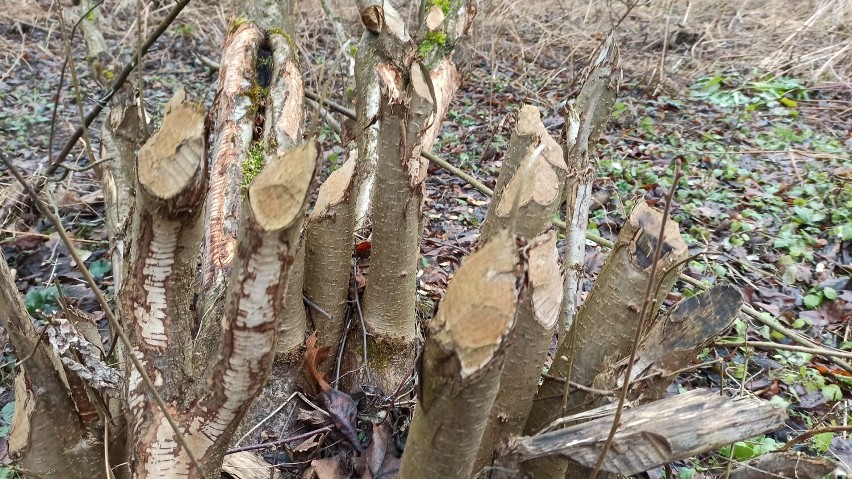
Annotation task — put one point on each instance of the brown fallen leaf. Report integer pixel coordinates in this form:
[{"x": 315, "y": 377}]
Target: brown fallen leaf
[
  {"x": 328, "y": 468},
  {"x": 339, "y": 405},
  {"x": 380, "y": 461}
]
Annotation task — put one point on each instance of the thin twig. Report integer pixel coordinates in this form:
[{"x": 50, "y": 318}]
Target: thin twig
[
  {"x": 61, "y": 82},
  {"x": 140, "y": 79},
  {"x": 35, "y": 347},
  {"x": 317, "y": 308},
  {"x": 102, "y": 301},
  {"x": 363, "y": 336},
  {"x": 578, "y": 386},
  {"x": 264, "y": 445},
  {"x": 787, "y": 347},
  {"x": 78, "y": 96},
  {"x": 813, "y": 432},
  {"x": 637, "y": 337}
]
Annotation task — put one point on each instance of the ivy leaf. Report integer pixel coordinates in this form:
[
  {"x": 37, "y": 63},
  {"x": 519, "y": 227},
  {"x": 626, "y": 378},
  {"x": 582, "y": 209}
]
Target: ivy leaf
[
  {"x": 823, "y": 441},
  {"x": 832, "y": 392},
  {"x": 99, "y": 268},
  {"x": 812, "y": 301}
]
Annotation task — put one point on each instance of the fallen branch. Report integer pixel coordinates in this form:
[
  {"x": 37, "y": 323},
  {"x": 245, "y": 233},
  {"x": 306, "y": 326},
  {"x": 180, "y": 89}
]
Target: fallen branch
[{"x": 652, "y": 435}]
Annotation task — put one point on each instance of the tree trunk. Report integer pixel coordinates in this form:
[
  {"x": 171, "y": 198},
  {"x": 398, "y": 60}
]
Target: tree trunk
[
  {"x": 531, "y": 181},
  {"x": 329, "y": 253},
  {"x": 583, "y": 126},
  {"x": 414, "y": 99},
  {"x": 462, "y": 358},
  {"x": 607, "y": 320},
  {"x": 526, "y": 349}
]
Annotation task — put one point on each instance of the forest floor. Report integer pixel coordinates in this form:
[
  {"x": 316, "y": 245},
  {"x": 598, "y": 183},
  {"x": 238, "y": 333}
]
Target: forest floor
[{"x": 756, "y": 102}]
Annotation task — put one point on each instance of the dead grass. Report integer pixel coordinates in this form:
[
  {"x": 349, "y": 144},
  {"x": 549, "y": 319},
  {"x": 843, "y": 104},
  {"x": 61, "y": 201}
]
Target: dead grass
[
  {"x": 541, "y": 41},
  {"x": 810, "y": 39}
]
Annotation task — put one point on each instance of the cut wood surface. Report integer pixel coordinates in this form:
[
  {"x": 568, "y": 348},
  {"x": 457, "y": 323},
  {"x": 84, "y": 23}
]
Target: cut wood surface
[
  {"x": 460, "y": 368},
  {"x": 526, "y": 349},
  {"x": 657, "y": 433},
  {"x": 538, "y": 179}
]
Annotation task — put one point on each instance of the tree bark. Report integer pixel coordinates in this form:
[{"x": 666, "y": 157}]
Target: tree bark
[
  {"x": 654, "y": 434},
  {"x": 531, "y": 179},
  {"x": 48, "y": 435},
  {"x": 412, "y": 108},
  {"x": 539, "y": 183},
  {"x": 673, "y": 342},
  {"x": 583, "y": 126},
  {"x": 460, "y": 370},
  {"x": 329, "y": 253},
  {"x": 608, "y": 319},
  {"x": 526, "y": 349}
]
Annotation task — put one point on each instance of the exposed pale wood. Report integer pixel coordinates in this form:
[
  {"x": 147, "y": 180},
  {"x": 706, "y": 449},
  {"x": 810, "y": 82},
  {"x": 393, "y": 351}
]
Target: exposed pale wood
[
  {"x": 526, "y": 349},
  {"x": 231, "y": 139},
  {"x": 542, "y": 180},
  {"x": 655, "y": 434},
  {"x": 462, "y": 358}
]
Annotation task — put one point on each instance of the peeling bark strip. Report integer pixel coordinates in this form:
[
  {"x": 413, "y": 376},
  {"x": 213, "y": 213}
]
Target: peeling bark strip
[
  {"x": 47, "y": 434},
  {"x": 542, "y": 186},
  {"x": 615, "y": 300},
  {"x": 460, "y": 368},
  {"x": 583, "y": 126},
  {"x": 674, "y": 341},
  {"x": 526, "y": 349},
  {"x": 655, "y": 434}
]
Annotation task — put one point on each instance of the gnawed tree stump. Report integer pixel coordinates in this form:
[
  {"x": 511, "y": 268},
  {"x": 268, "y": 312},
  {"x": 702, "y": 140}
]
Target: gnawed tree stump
[
  {"x": 461, "y": 362},
  {"x": 528, "y": 195},
  {"x": 584, "y": 123},
  {"x": 676, "y": 338}
]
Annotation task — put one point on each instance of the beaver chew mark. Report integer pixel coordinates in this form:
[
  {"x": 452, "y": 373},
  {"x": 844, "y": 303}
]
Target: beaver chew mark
[{"x": 645, "y": 245}]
